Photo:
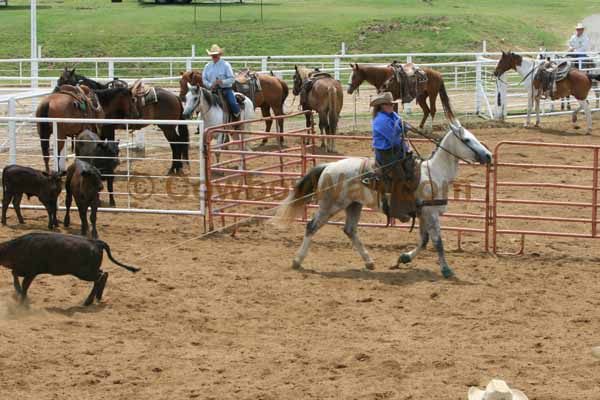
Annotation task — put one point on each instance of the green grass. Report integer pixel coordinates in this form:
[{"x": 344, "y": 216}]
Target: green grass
[{"x": 100, "y": 28}]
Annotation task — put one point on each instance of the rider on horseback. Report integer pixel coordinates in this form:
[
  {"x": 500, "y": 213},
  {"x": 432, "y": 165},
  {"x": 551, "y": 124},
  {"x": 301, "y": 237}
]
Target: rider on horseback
[
  {"x": 394, "y": 158},
  {"x": 579, "y": 44},
  {"x": 218, "y": 75}
]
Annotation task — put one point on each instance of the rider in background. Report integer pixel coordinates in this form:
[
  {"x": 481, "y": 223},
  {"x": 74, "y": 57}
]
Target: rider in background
[
  {"x": 218, "y": 74},
  {"x": 579, "y": 44}
]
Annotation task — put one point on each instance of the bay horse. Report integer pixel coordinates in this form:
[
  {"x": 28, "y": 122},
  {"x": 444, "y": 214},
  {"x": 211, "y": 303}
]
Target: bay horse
[
  {"x": 577, "y": 83},
  {"x": 337, "y": 186},
  {"x": 115, "y": 103},
  {"x": 70, "y": 77},
  {"x": 379, "y": 75},
  {"x": 273, "y": 93},
  {"x": 166, "y": 106},
  {"x": 326, "y": 97}
]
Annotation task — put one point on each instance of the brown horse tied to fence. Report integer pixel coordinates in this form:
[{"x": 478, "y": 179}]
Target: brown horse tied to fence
[
  {"x": 157, "y": 103},
  {"x": 322, "y": 93},
  {"x": 76, "y": 102},
  {"x": 572, "y": 82},
  {"x": 380, "y": 77},
  {"x": 271, "y": 96}
]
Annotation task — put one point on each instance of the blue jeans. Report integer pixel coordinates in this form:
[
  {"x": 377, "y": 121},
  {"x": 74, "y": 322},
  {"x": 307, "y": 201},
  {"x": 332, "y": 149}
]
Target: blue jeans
[{"x": 233, "y": 105}]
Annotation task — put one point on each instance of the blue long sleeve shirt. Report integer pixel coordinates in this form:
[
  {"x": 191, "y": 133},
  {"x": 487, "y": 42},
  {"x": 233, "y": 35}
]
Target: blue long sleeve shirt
[
  {"x": 219, "y": 70},
  {"x": 387, "y": 132}
]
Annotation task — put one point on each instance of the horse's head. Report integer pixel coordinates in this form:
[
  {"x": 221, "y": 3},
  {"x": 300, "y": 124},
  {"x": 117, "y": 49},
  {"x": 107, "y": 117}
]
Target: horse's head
[
  {"x": 67, "y": 77},
  {"x": 357, "y": 77},
  {"x": 193, "y": 98},
  {"x": 462, "y": 143},
  {"x": 300, "y": 76},
  {"x": 508, "y": 61},
  {"x": 192, "y": 77}
]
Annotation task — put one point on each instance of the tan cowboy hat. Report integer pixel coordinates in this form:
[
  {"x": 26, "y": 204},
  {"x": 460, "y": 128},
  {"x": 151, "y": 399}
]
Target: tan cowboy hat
[
  {"x": 496, "y": 390},
  {"x": 383, "y": 98},
  {"x": 214, "y": 50},
  {"x": 580, "y": 26}
]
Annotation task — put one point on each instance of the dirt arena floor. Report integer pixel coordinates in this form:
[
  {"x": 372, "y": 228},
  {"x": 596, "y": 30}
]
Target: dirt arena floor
[{"x": 225, "y": 317}]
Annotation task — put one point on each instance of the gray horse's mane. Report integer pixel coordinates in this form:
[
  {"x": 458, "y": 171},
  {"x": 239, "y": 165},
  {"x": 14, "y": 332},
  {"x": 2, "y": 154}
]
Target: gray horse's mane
[{"x": 211, "y": 98}]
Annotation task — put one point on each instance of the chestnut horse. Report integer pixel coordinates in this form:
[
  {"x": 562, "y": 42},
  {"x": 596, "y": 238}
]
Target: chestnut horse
[
  {"x": 326, "y": 97},
  {"x": 378, "y": 76},
  {"x": 577, "y": 83},
  {"x": 117, "y": 103},
  {"x": 273, "y": 93}
]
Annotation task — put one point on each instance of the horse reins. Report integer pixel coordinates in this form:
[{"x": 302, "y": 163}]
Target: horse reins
[{"x": 438, "y": 143}]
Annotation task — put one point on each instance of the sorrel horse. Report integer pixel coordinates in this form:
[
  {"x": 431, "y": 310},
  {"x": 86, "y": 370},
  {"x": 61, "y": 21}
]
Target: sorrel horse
[
  {"x": 326, "y": 97},
  {"x": 114, "y": 103},
  {"x": 379, "y": 75},
  {"x": 273, "y": 93},
  {"x": 577, "y": 83},
  {"x": 337, "y": 186},
  {"x": 70, "y": 77}
]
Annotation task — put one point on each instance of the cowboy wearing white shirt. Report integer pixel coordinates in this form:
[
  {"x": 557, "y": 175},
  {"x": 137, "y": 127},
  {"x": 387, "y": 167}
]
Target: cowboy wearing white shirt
[{"x": 579, "y": 44}]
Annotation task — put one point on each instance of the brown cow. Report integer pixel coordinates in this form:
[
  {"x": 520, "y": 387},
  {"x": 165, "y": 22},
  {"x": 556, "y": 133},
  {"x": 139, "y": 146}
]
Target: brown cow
[{"x": 85, "y": 183}]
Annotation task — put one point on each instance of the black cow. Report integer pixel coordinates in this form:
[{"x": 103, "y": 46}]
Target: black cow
[
  {"x": 103, "y": 155},
  {"x": 57, "y": 254},
  {"x": 17, "y": 180}
]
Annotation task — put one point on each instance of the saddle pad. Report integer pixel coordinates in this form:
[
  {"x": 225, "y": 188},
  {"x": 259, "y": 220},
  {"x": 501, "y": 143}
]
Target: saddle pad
[{"x": 150, "y": 97}]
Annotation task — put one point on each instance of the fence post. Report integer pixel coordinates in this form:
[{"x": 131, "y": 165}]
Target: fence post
[
  {"x": 188, "y": 64},
  {"x": 264, "y": 64},
  {"x": 96, "y": 68},
  {"x": 111, "y": 70},
  {"x": 336, "y": 68},
  {"x": 202, "y": 169},
  {"x": 408, "y": 106},
  {"x": 478, "y": 85},
  {"x": 12, "y": 132},
  {"x": 55, "y": 155}
]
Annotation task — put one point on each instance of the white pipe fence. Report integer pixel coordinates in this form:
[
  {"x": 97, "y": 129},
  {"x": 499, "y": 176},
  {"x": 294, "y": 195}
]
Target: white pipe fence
[
  {"x": 139, "y": 186},
  {"x": 469, "y": 80}
]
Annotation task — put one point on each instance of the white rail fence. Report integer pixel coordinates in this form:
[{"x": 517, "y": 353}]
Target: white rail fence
[
  {"x": 472, "y": 88},
  {"x": 141, "y": 181}
]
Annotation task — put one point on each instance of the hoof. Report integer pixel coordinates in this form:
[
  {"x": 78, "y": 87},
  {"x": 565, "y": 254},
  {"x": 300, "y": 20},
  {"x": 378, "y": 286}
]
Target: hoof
[
  {"x": 370, "y": 266},
  {"x": 404, "y": 258},
  {"x": 296, "y": 264},
  {"x": 447, "y": 272}
]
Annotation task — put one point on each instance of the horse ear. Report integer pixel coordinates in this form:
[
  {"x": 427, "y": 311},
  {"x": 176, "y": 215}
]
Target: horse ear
[
  {"x": 72, "y": 71},
  {"x": 296, "y": 67}
]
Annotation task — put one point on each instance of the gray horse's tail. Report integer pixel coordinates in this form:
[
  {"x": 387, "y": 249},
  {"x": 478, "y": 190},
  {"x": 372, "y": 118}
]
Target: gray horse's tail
[{"x": 303, "y": 192}]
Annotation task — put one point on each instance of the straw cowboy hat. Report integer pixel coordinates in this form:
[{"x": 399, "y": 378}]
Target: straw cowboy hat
[
  {"x": 214, "y": 50},
  {"x": 580, "y": 26},
  {"x": 383, "y": 98},
  {"x": 496, "y": 390}
]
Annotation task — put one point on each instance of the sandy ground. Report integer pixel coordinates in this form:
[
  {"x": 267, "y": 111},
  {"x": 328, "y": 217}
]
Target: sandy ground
[{"x": 225, "y": 317}]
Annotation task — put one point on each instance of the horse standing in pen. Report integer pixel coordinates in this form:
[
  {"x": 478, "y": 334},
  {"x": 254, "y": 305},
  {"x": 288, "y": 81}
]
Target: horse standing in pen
[
  {"x": 338, "y": 186},
  {"x": 556, "y": 83},
  {"x": 322, "y": 93},
  {"x": 80, "y": 102},
  {"x": 392, "y": 78},
  {"x": 271, "y": 96}
]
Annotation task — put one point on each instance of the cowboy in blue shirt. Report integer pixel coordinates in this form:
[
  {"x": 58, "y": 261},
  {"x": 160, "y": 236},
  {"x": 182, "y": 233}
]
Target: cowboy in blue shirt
[
  {"x": 218, "y": 74},
  {"x": 394, "y": 157}
]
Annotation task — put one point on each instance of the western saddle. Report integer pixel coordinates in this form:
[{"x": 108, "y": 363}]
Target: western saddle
[
  {"x": 549, "y": 74},
  {"x": 406, "y": 81},
  {"x": 308, "y": 84},
  {"x": 247, "y": 83}
]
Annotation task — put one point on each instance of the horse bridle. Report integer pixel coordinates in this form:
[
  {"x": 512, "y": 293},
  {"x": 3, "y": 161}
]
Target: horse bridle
[{"x": 438, "y": 144}]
